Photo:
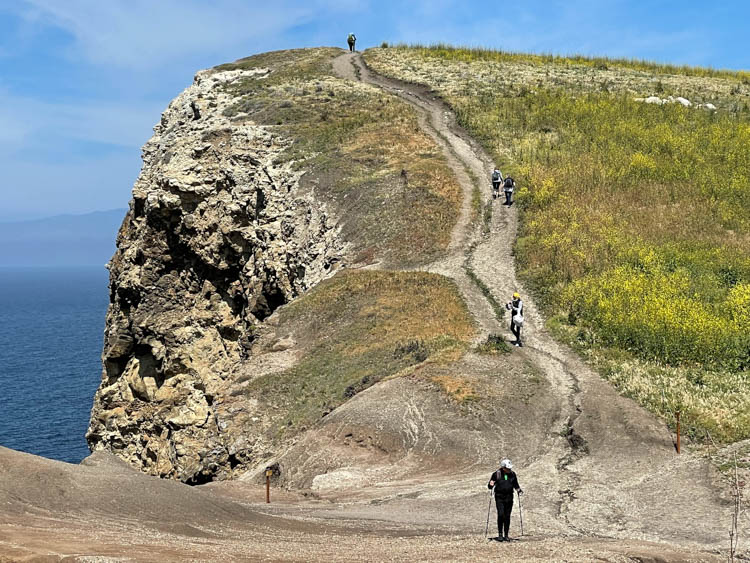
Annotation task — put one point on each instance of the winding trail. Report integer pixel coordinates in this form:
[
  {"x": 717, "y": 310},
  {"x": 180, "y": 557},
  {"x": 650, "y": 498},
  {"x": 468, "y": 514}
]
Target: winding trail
[
  {"x": 607, "y": 467},
  {"x": 437, "y": 122},
  {"x": 601, "y": 476}
]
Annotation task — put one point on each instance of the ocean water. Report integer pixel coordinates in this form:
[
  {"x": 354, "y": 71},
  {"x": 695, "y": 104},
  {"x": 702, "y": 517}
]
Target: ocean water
[{"x": 51, "y": 333}]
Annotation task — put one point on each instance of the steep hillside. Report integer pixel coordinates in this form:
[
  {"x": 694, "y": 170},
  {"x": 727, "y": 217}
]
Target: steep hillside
[
  {"x": 262, "y": 179},
  {"x": 635, "y": 197},
  {"x": 311, "y": 277}
]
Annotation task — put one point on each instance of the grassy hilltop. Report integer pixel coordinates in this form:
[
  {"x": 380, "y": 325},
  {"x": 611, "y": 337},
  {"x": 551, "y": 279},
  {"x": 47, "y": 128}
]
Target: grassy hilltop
[
  {"x": 365, "y": 156},
  {"x": 635, "y": 217},
  {"x": 362, "y": 150}
]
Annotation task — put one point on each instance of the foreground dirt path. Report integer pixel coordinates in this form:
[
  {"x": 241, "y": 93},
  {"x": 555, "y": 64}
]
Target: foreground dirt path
[
  {"x": 608, "y": 467},
  {"x": 105, "y": 511}
]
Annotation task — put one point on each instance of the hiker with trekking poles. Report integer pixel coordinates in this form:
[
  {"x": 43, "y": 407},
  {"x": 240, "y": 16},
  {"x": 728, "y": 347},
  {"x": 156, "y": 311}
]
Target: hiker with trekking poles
[{"x": 502, "y": 484}]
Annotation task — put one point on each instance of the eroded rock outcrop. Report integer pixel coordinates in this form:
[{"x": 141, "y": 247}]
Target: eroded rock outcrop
[{"x": 217, "y": 236}]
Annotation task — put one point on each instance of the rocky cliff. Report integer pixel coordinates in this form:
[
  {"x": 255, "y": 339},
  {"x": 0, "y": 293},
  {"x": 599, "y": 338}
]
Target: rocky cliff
[
  {"x": 218, "y": 235},
  {"x": 263, "y": 178}
]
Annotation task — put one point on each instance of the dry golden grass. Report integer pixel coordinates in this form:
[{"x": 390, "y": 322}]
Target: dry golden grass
[
  {"x": 456, "y": 387},
  {"x": 479, "y": 54},
  {"x": 477, "y": 76},
  {"x": 393, "y": 306},
  {"x": 358, "y": 328},
  {"x": 421, "y": 195},
  {"x": 363, "y": 152}
]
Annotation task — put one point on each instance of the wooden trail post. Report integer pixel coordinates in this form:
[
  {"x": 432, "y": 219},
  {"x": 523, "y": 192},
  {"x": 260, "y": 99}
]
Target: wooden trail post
[
  {"x": 269, "y": 472},
  {"x": 677, "y": 414}
]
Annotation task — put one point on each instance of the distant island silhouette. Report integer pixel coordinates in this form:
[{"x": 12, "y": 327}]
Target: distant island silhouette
[{"x": 63, "y": 240}]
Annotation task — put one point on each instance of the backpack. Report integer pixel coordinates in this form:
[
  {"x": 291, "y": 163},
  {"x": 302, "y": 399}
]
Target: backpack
[
  {"x": 503, "y": 484},
  {"x": 351, "y": 38},
  {"x": 518, "y": 317},
  {"x": 496, "y": 176},
  {"x": 509, "y": 182}
]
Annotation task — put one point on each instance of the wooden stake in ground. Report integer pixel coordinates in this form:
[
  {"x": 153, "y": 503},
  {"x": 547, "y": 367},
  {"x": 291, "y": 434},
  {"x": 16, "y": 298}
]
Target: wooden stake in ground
[{"x": 734, "y": 532}]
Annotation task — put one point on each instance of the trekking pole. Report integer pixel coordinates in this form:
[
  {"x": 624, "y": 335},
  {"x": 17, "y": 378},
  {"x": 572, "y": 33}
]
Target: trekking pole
[
  {"x": 489, "y": 505},
  {"x": 520, "y": 510}
]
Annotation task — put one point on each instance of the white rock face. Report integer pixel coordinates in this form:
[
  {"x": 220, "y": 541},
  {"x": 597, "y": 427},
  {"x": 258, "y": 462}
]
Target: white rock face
[
  {"x": 218, "y": 236},
  {"x": 339, "y": 479},
  {"x": 673, "y": 100}
]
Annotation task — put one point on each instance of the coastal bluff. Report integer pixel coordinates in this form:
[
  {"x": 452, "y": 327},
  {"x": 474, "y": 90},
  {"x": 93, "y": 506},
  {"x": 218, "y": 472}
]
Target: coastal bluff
[{"x": 217, "y": 236}]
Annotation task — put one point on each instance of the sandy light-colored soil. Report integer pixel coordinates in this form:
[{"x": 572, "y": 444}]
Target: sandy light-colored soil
[
  {"x": 103, "y": 510},
  {"x": 601, "y": 477}
]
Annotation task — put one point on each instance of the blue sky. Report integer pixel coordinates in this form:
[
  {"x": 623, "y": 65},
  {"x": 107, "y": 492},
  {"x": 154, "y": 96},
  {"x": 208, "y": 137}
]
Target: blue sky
[{"x": 82, "y": 82}]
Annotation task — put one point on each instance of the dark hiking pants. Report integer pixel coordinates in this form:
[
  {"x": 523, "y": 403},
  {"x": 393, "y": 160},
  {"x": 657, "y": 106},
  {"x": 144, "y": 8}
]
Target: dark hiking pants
[
  {"x": 508, "y": 196},
  {"x": 351, "y": 47},
  {"x": 504, "y": 508},
  {"x": 516, "y": 330}
]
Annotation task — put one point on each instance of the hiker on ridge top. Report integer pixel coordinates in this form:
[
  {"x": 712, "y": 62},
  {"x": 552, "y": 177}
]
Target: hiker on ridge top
[
  {"x": 516, "y": 317},
  {"x": 503, "y": 482},
  {"x": 497, "y": 179},
  {"x": 351, "y": 40}
]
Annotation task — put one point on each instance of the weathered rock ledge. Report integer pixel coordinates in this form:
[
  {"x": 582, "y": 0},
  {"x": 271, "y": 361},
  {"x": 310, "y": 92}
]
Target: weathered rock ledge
[{"x": 218, "y": 235}]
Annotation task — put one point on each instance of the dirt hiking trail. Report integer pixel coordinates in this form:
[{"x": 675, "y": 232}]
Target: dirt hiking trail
[
  {"x": 601, "y": 477},
  {"x": 607, "y": 467}
]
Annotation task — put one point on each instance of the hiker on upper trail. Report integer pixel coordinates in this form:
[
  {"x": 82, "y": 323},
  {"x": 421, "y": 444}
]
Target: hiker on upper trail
[
  {"x": 497, "y": 179},
  {"x": 351, "y": 40},
  {"x": 516, "y": 317},
  {"x": 503, "y": 482},
  {"x": 508, "y": 186}
]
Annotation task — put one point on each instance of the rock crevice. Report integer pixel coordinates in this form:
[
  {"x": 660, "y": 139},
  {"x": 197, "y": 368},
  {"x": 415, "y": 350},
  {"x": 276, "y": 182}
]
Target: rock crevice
[{"x": 218, "y": 235}]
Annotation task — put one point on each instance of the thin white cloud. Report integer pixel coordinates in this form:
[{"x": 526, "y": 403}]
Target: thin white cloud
[
  {"x": 143, "y": 34},
  {"x": 15, "y": 126},
  {"x": 29, "y": 122}
]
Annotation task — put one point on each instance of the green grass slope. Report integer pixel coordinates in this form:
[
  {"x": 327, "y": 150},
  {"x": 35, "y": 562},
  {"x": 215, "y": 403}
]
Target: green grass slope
[{"x": 635, "y": 217}]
